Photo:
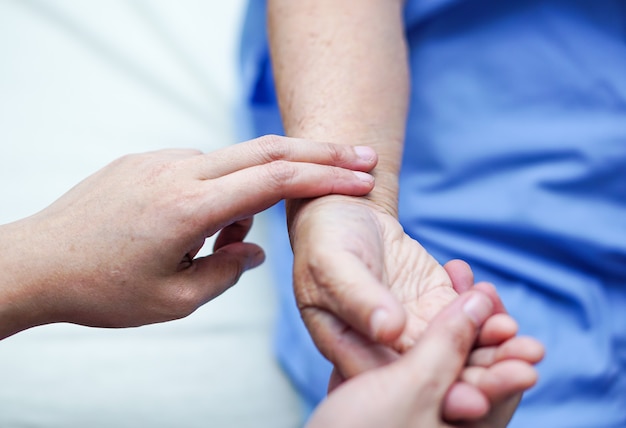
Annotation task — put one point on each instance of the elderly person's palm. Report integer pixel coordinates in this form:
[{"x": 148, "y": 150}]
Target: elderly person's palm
[{"x": 354, "y": 266}]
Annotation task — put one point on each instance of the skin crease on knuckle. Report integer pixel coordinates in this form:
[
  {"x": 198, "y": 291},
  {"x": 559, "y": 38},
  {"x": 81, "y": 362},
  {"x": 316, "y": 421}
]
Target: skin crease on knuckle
[
  {"x": 280, "y": 175},
  {"x": 160, "y": 167},
  {"x": 338, "y": 155},
  {"x": 273, "y": 147},
  {"x": 337, "y": 177}
]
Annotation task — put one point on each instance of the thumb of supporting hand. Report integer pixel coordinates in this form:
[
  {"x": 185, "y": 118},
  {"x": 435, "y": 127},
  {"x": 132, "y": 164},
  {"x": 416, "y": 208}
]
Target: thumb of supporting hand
[
  {"x": 221, "y": 270},
  {"x": 439, "y": 356}
]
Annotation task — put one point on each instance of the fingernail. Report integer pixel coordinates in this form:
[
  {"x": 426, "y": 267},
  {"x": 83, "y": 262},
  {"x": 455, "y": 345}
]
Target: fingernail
[
  {"x": 364, "y": 176},
  {"x": 478, "y": 308},
  {"x": 365, "y": 153},
  {"x": 377, "y": 321}
]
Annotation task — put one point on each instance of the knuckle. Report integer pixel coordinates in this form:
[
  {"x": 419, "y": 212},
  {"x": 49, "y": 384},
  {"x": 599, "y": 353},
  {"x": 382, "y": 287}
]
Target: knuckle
[
  {"x": 281, "y": 172},
  {"x": 187, "y": 303},
  {"x": 274, "y": 147},
  {"x": 169, "y": 205},
  {"x": 337, "y": 176},
  {"x": 179, "y": 301},
  {"x": 338, "y": 154}
]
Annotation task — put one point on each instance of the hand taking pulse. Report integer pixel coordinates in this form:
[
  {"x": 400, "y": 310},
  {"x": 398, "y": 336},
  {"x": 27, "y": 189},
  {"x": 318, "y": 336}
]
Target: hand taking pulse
[{"x": 119, "y": 249}]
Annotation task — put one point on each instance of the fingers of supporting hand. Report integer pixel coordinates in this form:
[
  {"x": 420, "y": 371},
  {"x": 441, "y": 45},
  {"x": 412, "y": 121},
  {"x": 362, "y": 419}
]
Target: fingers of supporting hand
[
  {"x": 501, "y": 380},
  {"x": 521, "y": 348},
  {"x": 494, "y": 382},
  {"x": 493, "y": 385},
  {"x": 497, "y": 329},
  {"x": 249, "y": 191},
  {"x": 464, "y": 401},
  {"x": 271, "y": 148},
  {"x": 440, "y": 354}
]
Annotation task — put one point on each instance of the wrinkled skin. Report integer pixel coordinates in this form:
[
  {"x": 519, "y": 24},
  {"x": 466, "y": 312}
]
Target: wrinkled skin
[{"x": 352, "y": 259}]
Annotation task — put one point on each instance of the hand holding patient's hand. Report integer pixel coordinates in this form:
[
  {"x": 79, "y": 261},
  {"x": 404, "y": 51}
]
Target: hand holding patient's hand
[
  {"x": 119, "y": 249},
  {"x": 411, "y": 391},
  {"x": 499, "y": 368}
]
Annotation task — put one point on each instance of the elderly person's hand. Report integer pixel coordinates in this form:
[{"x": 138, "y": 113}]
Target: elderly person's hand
[{"x": 367, "y": 291}]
